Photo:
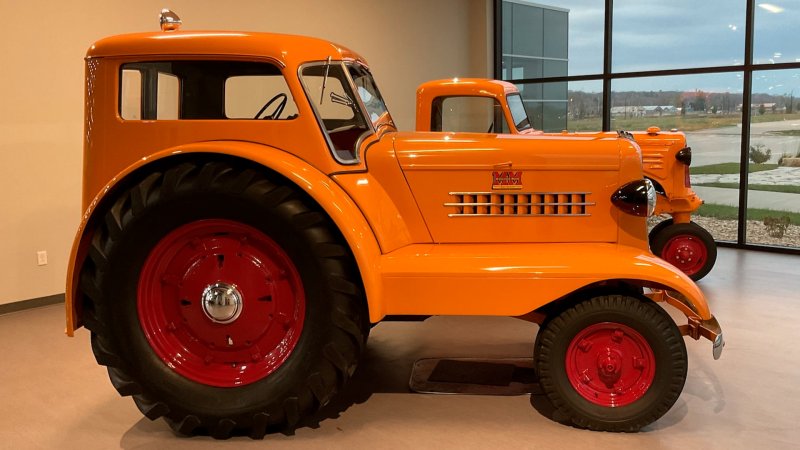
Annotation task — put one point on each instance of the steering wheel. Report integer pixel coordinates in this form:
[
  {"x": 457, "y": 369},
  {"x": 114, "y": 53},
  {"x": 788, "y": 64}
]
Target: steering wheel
[{"x": 281, "y": 99}]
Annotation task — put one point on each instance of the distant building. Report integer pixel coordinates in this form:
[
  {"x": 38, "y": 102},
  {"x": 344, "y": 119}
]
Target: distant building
[
  {"x": 535, "y": 45},
  {"x": 768, "y": 107},
  {"x": 644, "y": 111},
  {"x": 658, "y": 111}
]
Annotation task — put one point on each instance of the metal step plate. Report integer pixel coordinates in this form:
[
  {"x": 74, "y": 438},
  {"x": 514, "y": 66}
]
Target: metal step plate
[{"x": 474, "y": 376}]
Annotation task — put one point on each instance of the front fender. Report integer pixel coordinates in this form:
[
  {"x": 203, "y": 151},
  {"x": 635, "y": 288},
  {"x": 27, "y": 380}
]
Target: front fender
[
  {"x": 516, "y": 279},
  {"x": 319, "y": 186}
]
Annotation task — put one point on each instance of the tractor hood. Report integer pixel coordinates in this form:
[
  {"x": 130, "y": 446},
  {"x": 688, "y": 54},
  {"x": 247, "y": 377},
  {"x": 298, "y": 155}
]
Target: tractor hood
[
  {"x": 475, "y": 151},
  {"x": 474, "y": 187}
]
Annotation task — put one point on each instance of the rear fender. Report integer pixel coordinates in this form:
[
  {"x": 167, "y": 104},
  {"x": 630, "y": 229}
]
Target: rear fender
[{"x": 335, "y": 201}]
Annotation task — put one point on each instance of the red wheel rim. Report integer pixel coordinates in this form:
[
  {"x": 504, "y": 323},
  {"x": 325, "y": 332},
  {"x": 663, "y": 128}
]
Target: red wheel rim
[
  {"x": 220, "y": 303},
  {"x": 686, "y": 252},
  {"x": 610, "y": 364}
]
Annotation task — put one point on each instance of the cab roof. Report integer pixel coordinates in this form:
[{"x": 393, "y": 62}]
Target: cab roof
[
  {"x": 285, "y": 48},
  {"x": 467, "y": 87}
]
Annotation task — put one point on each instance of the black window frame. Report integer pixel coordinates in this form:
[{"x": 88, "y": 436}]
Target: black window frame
[{"x": 607, "y": 76}]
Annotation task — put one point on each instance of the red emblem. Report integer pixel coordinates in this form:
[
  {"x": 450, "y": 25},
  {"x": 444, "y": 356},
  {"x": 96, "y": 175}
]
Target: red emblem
[{"x": 506, "y": 180}]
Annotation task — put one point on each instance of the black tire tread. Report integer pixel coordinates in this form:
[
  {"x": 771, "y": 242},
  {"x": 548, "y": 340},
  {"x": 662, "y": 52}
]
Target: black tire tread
[
  {"x": 187, "y": 426},
  {"x": 151, "y": 409},
  {"x": 223, "y": 429}
]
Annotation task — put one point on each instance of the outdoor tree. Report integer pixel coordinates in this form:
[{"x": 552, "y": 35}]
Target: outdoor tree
[
  {"x": 759, "y": 153},
  {"x": 699, "y": 103}
]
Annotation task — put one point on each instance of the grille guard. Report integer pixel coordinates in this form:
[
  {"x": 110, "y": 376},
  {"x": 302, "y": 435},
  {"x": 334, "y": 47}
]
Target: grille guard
[{"x": 696, "y": 327}]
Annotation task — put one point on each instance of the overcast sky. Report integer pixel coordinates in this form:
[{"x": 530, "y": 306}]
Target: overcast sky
[{"x": 673, "y": 34}]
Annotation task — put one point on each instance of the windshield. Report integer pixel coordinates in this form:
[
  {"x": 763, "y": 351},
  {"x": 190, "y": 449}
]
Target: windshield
[
  {"x": 518, "y": 112},
  {"x": 338, "y": 110},
  {"x": 369, "y": 94},
  {"x": 341, "y": 95}
]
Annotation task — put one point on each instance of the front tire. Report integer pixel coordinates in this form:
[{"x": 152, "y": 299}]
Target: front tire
[
  {"x": 687, "y": 246},
  {"x": 222, "y": 300},
  {"x": 611, "y": 363}
]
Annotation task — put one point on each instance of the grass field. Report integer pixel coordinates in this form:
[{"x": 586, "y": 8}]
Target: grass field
[
  {"x": 728, "y": 168},
  {"x": 726, "y": 212}
]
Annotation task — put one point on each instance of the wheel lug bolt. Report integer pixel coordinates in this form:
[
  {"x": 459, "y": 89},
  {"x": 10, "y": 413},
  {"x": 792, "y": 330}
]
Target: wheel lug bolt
[{"x": 585, "y": 345}]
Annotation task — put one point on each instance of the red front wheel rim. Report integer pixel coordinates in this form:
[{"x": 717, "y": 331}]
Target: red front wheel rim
[
  {"x": 686, "y": 252},
  {"x": 220, "y": 303},
  {"x": 610, "y": 364}
]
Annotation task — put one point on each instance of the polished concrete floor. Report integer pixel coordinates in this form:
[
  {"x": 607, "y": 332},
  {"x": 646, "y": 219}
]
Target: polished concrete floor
[{"x": 53, "y": 395}]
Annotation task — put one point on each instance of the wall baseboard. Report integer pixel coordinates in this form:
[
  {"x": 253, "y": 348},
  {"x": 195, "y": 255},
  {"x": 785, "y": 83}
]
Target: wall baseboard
[{"x": 32, "y": 303}]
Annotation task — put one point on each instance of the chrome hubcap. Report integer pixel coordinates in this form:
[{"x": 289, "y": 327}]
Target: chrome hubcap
[{"x": 222, "y": 302}]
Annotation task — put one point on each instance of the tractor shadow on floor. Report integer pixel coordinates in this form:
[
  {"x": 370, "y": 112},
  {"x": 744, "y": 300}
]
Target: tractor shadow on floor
[{"x": 377, "y": 374}]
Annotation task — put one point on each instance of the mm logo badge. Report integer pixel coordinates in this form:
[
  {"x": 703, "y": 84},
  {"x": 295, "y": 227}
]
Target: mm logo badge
[{"x": 506, "y": 180}]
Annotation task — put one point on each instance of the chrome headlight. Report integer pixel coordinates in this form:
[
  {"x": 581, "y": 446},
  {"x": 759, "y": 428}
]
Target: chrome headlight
[
  {"x": 651, "y": 197},
  {"x": 637, "y": 198}
]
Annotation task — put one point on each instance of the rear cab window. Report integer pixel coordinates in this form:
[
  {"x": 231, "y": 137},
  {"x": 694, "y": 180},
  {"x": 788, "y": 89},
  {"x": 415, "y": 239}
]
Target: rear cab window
[
  {"x": 468, "y": 114},
  {"x": 204, "y": 90}
]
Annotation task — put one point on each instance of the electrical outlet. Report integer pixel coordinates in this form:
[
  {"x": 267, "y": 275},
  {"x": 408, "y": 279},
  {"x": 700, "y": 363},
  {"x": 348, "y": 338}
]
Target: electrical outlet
[{"x": 41, "y": 256}]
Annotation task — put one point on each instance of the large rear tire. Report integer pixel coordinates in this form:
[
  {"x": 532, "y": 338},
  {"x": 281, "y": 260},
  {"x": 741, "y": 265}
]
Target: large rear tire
[
  {"x": 222, "y": 300},
  {"x": 611, "y": 363}
]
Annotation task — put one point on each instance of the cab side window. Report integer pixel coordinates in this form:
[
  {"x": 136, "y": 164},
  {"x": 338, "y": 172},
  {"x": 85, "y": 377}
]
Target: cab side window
[
  {"x": 204, "y": 90},
  {"x": 468, "y": 114}
]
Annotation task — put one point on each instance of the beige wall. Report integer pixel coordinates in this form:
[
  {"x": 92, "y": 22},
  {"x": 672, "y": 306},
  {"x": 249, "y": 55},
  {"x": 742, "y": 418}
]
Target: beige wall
[{"x": 42, "y": 44}]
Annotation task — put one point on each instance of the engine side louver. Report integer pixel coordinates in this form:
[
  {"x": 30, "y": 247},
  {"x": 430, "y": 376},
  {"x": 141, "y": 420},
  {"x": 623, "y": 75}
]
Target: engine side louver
[{"x": 490, "y": 204}]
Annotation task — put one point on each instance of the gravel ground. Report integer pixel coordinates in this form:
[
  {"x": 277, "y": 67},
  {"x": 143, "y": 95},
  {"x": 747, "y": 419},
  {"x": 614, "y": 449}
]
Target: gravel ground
[{"x": 725, "y": 230}]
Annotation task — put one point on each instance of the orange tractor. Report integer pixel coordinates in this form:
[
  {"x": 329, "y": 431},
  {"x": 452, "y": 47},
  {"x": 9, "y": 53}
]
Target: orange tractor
[
  {"x": 481, "y": 105},
  {"x": 250, "y": 209}
]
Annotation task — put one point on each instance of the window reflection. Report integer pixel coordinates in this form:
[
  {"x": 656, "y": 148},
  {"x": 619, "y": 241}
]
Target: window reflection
[
  {"x": 653, "y": 35},
  {"x": 573, "y": 106},
  {"x": 773, "y": 41},
  {"x": 773, "y": 189},
  {"x": 656, "y": 35},
  {"x": 552, "y": 40},
  {"x": 708, "y": 109}
]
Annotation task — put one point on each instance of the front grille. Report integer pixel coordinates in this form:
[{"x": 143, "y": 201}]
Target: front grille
[
  {"x": 653, "y": 159},
  {"x": 470, "y": 204}
]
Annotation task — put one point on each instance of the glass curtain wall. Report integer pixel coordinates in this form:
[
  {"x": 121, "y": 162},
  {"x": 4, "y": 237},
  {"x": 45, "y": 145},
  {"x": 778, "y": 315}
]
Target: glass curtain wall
[{"x": 725, "y": 72}]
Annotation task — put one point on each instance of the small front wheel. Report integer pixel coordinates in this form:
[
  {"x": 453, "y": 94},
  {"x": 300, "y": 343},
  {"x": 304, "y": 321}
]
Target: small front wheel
[
  {"x": 687, "y": 246},
  {"x": 612, "y": 363}
]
